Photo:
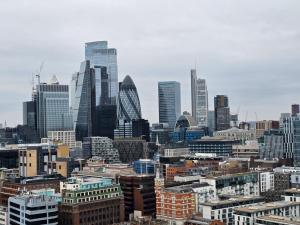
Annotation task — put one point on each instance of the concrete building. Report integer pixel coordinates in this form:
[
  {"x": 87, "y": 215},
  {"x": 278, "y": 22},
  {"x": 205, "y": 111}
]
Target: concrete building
[
  {"x": 295, "y": 109},
  {"x": 292, "y": 195},
  {"x": 277, "y": 220},
  {"x": 265, "y": 125},
  {"x": 169, "y": 102},
  {"x": 131, "y": 149},
  {"x": 222, "y": 210},
  {"x": 103, "y": 147},
  {"x": 250, "y": 214},
  {"x": 12, "y": 187},
  {"x": 246, "y": 184},
  {"x": 64, "y": 137},
  {"x": 32, "y": 209},
  {"x": 215, "y": 145},
  {"x": 90, "y": 201},
  {"x": 3, "y": 215},
  {"x": 236, "y": 134},
  {"x": 175, "y": 152},
  {"x": 266, "y": 181},
  {"x": 247, "y": 150},
  {"x": 199, "y": 99}
]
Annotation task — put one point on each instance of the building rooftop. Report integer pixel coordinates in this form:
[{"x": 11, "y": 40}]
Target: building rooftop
[
  {"x": 280, "y": 220},
  {"x": 266, "y": 206},
  {"x": 186, "y": 188},
  {"x": 293, "y": 191},
  {"x": 226, "y": 176},
  {"x": 238, "y": 199}
]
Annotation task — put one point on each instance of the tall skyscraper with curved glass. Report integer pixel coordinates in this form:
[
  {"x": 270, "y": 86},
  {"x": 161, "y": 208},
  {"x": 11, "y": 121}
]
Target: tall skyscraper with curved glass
[{"x": 129, "y": 107}]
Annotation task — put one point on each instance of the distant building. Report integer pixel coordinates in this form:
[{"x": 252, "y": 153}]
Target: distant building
[
  {"x": 236, "y": 134},
  {"x": 265, "y": 125},
  {"x": 277, "y": 220},
  {"x": 144, "y": 166},
  {"x": 103, "y": 147},
  {"x": 101, "y": 56},
  {"x": 32, "y": 209},
  {"x": 131, "y": 149},
  {"x": 222, "y": 112},
  {"x": 91, "y": 199},
  {"x": 211, "y": 121},
  {"x": 83, "y": 100},
  {"x": 218, "y": 146},
  {"x": 65, "y": 137},
  {"x": 129, "y": 107},
  {"x": 247, "y": 150},
  {"x": 169, "y": 102},
  {"x": 29, "y": 114},
  {"x": 199, "y": 99},
  {"x": 272, "y": 146},
  {"x": 161, "y": 133},
  {"x": 295, "y": 109},
  {"x": 53, "y": 107}
]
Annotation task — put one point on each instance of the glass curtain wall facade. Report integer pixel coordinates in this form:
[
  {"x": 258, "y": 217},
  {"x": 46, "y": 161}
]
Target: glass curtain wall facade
[
  {"x": 129, "y": 107},
  {"x": 222, "y": 113},
  {"x": 199, "y": 100},
  {"x": 101, "y": 56},
  {"x": 169, "y": 102},
  {"x": 53, "y": 112},
  {"x": 83, "y": 100}
]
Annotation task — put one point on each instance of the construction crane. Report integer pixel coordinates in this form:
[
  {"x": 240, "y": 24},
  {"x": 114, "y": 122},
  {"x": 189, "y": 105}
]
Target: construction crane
[{"x": 38, "y": 75}]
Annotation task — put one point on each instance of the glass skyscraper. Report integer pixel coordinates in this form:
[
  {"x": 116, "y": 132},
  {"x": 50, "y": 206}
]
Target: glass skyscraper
[
  {"x": 83, "y": 100},
  {"x": 53, "y": 111},
  {"x": 129, "y": 107},
  {"x": 169, "y": 102},
  {"x": 199, "y": 100},
  {"x": 101, "y": 56},
  {"x": 222, "y": 113}
]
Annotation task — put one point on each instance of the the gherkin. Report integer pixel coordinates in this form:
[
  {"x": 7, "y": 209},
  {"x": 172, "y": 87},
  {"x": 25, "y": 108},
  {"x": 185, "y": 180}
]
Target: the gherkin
[{"x": 129, "y": 107}]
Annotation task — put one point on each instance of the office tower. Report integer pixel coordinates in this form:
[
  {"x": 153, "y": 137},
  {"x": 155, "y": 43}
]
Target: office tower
[
  {"x": 129, "y": 107},
  {"x": 169, "y": 102},
  {"x": 83, "y": 100},
  {"x": 101, "y": 57},
  {"x": 295, "y": 109},
  {"x": 103, "y": 147},
  {"x": 91, "y": 200},
  {"x": 199, "y": 99},
  {"x": 32, "y": 209},
  {"x": 29, "y": 114},
  {"x": 53, "y": 111},
  {"x": 211, "y": 121},
  {"x": 222, "y": 113},
  {"x": 141, "y": 128},
  {"x": 272, "y": 146},
  {"x": 139, "y": 194}
]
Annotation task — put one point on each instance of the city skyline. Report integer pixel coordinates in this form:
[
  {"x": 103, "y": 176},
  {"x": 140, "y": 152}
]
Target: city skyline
[{"x": 260, "y": 49}]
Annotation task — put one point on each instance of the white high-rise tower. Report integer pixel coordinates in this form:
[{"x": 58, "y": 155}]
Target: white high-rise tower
[{"x": 199, "y": 99}]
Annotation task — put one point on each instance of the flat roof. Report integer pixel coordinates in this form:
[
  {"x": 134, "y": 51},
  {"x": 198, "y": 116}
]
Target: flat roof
[
  {"x": 293, "y": 190},
  {"x": 231, "y": 200},
  {"x": 186, "y": 188},
  {"x": 280, "y": 219},
  {"x": 266, "y": 206}
]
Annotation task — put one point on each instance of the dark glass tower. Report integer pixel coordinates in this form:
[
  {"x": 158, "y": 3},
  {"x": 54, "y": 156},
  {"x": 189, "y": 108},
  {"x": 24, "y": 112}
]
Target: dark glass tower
[
  {"x": 129, "y": 107},
  {"x": 83, "y": 100},
  {"x": 222, "y": 113}
]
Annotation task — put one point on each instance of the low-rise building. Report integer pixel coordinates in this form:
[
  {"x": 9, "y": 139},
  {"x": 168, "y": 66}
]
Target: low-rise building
[
  {"x": 235, "y": 184},
  {"x": 277, "y": 220},
  {"x": 292, "y": 195},
  {"x": 222, "y": 210},
  {"x": 235, "y": 133},
  {"x": 249, "y": 215},
  {"x": 32, "y": 209},
  {"x": 3, "y": 215}
]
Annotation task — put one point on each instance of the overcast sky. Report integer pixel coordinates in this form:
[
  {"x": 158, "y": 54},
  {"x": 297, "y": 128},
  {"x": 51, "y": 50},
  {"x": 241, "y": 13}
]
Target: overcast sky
[{"x": 248, "y": 50}]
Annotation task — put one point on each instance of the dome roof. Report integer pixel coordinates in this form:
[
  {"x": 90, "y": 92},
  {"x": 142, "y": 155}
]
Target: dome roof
[{"x": 127, "y": 83}]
